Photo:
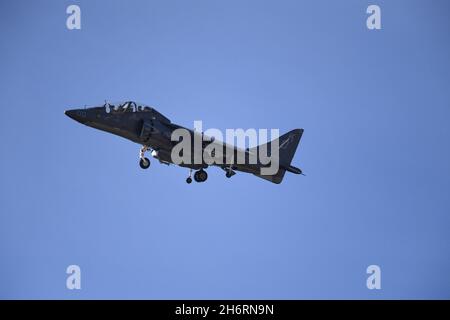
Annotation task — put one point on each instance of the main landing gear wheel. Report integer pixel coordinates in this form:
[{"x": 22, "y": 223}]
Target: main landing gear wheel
[
  {"x": 200, "y": 176},
  {"x": 228, "y": 174},
  {"x": 144, "y": 163}
]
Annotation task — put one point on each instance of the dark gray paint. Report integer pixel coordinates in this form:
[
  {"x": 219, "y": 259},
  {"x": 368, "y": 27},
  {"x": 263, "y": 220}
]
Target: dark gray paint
[{"x": 147, "y": 127}]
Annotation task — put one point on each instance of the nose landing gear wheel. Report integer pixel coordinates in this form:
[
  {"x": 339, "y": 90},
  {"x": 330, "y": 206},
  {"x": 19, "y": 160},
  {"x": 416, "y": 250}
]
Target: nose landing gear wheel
[
  {"x": 189, "y": 180},
  {"x": 144, "y": 163}
]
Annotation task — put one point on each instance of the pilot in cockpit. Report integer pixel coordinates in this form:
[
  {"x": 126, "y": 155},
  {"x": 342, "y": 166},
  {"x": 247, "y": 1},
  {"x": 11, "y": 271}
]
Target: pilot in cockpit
[{"x": 128, "y": 106}]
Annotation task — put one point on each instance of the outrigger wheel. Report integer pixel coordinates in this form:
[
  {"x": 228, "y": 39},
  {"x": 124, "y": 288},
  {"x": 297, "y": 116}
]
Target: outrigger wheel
[{"x": 144, "y": 163}]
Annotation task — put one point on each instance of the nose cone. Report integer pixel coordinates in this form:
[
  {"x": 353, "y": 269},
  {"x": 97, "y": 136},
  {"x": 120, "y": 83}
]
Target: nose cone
[{"x": 77, "y": 115}]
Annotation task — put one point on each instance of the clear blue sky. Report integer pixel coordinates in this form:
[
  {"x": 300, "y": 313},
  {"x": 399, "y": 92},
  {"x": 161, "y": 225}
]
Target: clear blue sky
[{"x": 375, "y": 106}]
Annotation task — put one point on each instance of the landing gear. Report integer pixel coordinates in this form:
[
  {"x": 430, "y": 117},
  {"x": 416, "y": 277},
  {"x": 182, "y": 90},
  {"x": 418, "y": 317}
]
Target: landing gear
[
  {"x": 200, "y": 176},
  {"x": 229, "y": 171},
  {"x": 189, "y": 179},
  {"x": 144, "y": 163}
]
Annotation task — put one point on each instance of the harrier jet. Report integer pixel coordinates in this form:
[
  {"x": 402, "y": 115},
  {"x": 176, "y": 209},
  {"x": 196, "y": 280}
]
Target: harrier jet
[{"x": 146, "y": 126}]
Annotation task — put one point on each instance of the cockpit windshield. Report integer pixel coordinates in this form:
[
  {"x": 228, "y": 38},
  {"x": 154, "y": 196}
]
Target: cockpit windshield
[{"x": 127, "y": 106}]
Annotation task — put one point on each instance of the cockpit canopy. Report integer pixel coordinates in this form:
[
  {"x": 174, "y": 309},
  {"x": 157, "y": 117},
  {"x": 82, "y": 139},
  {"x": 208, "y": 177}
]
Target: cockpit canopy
[
  {"x": 126, "y": 106},
  {"x": 131, "y": 106}
]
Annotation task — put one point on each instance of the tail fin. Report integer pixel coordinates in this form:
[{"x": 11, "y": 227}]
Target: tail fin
[{"x": 287, "y": 146}]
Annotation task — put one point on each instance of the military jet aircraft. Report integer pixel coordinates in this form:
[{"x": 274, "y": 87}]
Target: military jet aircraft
[{"x": 146, "y": 126}]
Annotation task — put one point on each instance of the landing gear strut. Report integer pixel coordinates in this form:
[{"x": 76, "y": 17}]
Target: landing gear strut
[
  {"x": 144, "y": 163},
  {"x": 229, "y": 171},
  {"x": 189, "y": 179}
]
